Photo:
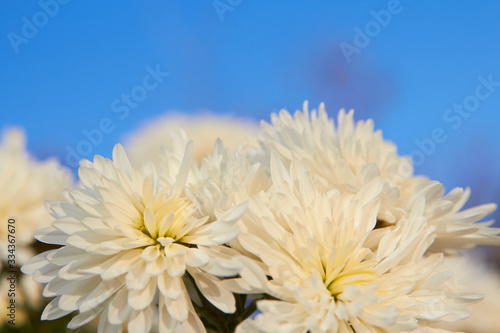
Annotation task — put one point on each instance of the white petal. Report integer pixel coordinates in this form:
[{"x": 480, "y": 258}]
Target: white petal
[
  {"x": 196, "y": 257},
  {"x": 51, "y": 235},
  {"x": 120, "y": 159},
  {"x": 169, "y": 286},
  {"x": 46, "y": 274},
  {"x": 167, "y": 323},
  {"x": 52, "y": 311},
  {"x": 121, "y": 264},
  {"x": 165, "y": 223},
  {"x": 70, "y": 302},
  {"x": 213, "y": 291},
  {"x": 60, "y": 286},
  {"x": 150, "y": 223},
  {"x": 85, "y": 317},
  {"x": 178, "y": 187},
  {"x": 135, "y": 278},
  {"x": 234, "y": 214},
  {"x": 36, "y": 262},
  {"x": 150, "y": 253},
  {"x": 140, "y": 299},
  {"x": 193, "y": 324},
  {"x": 106, "y": 327},
  {"x": 100, "y": 294},
  {"x": 252, "y": 273},
  {"x": 118, "y": 309},
  {"x": 178, "y": 307},
  {"x": 176, "y": 266},
  {"x": 176, "y": 250},
  {"x": 69, "y": 225},
  {"x": 64, "y": 255},
  {"x": 140, "y": 321}
]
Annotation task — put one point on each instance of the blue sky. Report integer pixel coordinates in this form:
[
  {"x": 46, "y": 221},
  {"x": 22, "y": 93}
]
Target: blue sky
[{"x": 66, "y": 65}]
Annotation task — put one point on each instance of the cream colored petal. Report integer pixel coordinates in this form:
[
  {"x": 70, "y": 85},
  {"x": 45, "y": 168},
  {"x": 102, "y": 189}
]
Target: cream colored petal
[
  {"x": 150, "y": 223},
  {"x": 175, "y": 250},
  {"x": 214, "y": 292},
  {"x": 156, "y": 267},
  {"x": 36, "y": 262},
  {"x": 196, "y": 257},
  {"x": 118, "y": 309},
  {"x": 176, "y": 266},
  {"x": 52, "y": 311},
  {"x": 178, "y": 308},
  {"x": 135, "y": 278},
  {"x": 51, "y": 235},
  {"x": 120, "y": 264},
  {"x": 140, "y": 321},
  {"x": 100, "y": 294},
  {"x": 170, "y": 287},
  {"x": 84, "y": 318},
  {"x": 139, "y": 299}
]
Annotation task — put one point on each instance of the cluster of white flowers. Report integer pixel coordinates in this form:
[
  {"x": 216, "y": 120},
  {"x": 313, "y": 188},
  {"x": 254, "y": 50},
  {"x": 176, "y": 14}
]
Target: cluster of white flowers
[{"x": 308, "y": 227}]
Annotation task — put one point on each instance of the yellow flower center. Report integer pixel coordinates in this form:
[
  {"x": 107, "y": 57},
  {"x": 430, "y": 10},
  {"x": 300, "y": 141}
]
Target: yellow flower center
[
  {"x": 354, "y": 270},
  {"x": 167, "y": 219}
]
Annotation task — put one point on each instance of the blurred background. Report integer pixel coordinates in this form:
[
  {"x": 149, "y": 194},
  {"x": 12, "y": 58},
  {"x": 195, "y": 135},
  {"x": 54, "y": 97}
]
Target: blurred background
[
  {"x": 67, "y": 65},
  {"x": 79, "y": 76},
  {"x": 409, "y": 65}
]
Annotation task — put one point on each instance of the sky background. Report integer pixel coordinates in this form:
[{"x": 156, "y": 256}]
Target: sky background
[{"x": 65, "y": 65}]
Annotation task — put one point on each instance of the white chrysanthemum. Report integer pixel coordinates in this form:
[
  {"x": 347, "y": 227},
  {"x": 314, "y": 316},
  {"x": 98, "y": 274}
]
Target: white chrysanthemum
[
  {"x": 24, "y": 185},
  {"x": 473, "y": 272},
  {"x": 147, "y": 141},
  {"x": 134, "y": 240},
  {"x": 351, "y": 155},
  {"x": 329, "y": 271}
]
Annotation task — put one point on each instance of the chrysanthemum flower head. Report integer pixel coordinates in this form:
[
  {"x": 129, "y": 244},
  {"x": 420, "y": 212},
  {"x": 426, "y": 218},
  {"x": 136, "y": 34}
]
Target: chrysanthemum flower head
[
  {"x": 204, "y": 129},
  {"x": 330, "y": 273},
  {"x": 350, "y": 155},
  {"x": 133, "y": 243},
  {"x": 24, "y": 185}
]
